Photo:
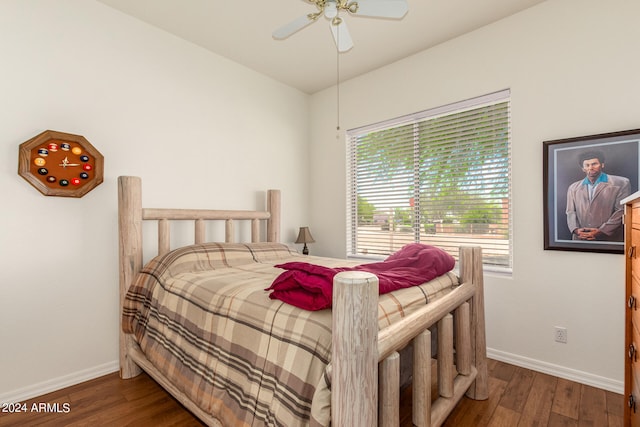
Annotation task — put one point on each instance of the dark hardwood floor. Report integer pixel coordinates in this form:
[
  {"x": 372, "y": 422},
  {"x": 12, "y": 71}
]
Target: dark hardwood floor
[{"x": 518, "y": 397}]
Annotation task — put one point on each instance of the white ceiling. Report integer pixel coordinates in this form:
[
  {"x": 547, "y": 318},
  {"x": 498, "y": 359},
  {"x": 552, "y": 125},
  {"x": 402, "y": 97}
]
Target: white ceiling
[{"x": 241, "y": 31}]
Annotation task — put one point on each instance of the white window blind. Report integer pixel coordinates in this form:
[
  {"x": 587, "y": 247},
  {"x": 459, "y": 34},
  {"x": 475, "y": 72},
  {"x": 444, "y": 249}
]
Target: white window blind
[{"x": 440, "y": 177}]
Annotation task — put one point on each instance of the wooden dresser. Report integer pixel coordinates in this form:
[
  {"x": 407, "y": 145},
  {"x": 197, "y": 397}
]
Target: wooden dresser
[{"x": 632, "y": 311}]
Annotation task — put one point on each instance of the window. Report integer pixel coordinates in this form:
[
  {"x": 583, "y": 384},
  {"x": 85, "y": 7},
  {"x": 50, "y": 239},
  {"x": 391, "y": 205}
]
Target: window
[{"x": 440, "y": 177}]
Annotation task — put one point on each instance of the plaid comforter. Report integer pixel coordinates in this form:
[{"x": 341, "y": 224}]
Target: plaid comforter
[{"x": 203, "y": 318}]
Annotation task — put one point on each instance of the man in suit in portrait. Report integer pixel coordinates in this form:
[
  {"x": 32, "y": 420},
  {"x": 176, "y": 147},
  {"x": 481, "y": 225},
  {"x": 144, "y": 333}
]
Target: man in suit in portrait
[{"x": 593, "y": 203}]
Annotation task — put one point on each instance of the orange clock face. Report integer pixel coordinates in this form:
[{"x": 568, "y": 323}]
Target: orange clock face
[{"x": 59, "y": 164}]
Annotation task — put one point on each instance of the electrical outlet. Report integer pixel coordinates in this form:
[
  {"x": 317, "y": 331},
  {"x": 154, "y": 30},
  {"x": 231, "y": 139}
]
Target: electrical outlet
[{"x": 561, "y": 334}]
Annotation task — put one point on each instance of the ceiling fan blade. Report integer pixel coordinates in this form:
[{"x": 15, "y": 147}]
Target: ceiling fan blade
[
  {"x": 293, "y": 27},
  {"x": 341, "y": 35},
  {"x": 382, "y": 8}
]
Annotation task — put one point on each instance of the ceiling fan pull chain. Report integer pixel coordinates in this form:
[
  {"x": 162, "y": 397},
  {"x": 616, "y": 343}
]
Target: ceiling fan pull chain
[{"x": 338, "y": 88}]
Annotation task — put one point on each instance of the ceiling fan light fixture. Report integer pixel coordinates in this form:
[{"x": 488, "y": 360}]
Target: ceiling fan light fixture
[{"x": 330, "y": 10}]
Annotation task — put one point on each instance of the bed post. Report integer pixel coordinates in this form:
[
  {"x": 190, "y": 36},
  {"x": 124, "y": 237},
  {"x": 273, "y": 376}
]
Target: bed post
[
  {"x": 354, "y": 359},
  {"x": 471, "y": 271},
  {"x": 130, "y": 259},
  {"x": 273, "y": 223}
]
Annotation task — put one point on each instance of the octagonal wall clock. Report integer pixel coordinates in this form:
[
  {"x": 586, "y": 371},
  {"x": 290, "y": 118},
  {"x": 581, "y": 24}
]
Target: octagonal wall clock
[{"x": 60, "y": 164}]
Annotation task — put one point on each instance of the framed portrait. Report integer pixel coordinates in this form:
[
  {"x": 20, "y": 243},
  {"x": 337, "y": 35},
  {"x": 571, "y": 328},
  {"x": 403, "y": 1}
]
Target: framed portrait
[{"x": 585, "y": 178}]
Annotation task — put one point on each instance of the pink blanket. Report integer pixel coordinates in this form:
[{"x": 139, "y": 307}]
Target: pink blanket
[{"x": 310, "y": 286}]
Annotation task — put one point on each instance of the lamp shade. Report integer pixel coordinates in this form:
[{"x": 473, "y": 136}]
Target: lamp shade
[{"x": 304, "y": 236}]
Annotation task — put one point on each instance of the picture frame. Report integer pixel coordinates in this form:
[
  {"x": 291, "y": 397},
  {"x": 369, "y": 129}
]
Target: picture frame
[{"x": 566, "y": 195}]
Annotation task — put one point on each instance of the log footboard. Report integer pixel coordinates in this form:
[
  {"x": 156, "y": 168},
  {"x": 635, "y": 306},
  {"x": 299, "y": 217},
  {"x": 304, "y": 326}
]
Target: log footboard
[{"x": 366, "y": 367}]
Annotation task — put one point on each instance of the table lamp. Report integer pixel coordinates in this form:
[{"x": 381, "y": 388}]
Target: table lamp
[{"x": 304, "y": 236}]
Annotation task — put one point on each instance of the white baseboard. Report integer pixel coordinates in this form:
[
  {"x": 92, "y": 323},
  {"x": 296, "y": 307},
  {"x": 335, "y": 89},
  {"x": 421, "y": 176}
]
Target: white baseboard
[
  {"x": 558, "y": 371},
  {"x": 59, "y": 383},
  {"x": 581, "y": 377}
]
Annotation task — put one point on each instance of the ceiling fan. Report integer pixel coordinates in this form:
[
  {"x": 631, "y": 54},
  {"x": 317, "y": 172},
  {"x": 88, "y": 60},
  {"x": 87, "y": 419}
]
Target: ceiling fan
[{"x": 394, "y": 9}]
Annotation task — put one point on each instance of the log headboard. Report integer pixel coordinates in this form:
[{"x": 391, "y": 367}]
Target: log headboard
[{"x": 131, "y": 214}]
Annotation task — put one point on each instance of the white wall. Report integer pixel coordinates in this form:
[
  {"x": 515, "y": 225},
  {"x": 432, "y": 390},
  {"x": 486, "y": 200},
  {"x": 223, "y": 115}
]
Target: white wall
[
  {"x": 572, "y": 67},
  {"x": 193, "y": 125},
  {"x": 180, "y": 117}
]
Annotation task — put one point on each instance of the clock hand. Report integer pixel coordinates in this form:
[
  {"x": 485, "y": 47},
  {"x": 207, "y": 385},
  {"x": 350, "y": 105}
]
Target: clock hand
[{"x": 65, "y": 163}]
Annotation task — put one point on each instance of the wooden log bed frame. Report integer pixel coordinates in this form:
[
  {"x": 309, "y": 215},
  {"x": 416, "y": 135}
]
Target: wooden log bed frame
[{"x": 365, "y": 360}]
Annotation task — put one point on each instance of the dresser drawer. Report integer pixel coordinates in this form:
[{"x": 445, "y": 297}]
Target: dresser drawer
[
  {"x": 632, "y": 251},
  {"x": 635, "y": 214}
]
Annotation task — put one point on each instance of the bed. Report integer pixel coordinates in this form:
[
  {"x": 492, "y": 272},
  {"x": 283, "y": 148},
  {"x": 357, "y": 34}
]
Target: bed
[{"x": 200, "y": 321}]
